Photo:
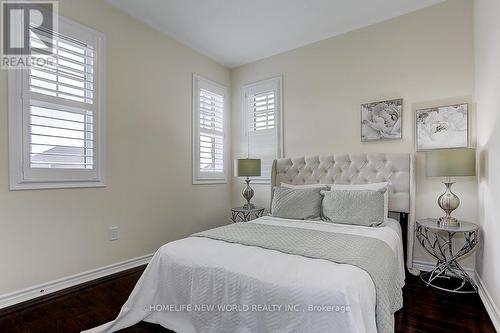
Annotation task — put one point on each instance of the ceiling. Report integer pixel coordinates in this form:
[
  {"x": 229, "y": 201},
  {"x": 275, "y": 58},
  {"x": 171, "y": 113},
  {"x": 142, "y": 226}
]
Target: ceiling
[{"x": 236, "y": 32}]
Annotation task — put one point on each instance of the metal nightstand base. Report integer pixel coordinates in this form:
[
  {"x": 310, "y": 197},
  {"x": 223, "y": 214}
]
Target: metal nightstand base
[
  {"x": 455, "y": 284},
  {"x": 242, "y": 214},
  {"x": 437, "y": 240}
]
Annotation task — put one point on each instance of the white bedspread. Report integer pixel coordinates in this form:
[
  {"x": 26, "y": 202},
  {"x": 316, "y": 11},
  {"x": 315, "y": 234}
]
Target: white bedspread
[{"x": 204, "y": 285}]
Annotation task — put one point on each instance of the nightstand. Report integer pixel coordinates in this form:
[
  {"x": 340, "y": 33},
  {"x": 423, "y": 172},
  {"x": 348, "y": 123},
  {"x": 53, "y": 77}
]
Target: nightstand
[
  {"x": 438, "y": 241},
  {"x": 241, "y": 214}
]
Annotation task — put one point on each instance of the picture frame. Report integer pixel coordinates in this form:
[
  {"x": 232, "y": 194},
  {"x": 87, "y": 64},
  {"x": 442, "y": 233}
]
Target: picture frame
[
  {"x": 382, "y": 120},
  {"x": 442, "y": 127}
]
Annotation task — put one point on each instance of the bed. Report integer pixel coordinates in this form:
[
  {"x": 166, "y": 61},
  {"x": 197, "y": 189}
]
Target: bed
[{"x": 203, "y": 284}]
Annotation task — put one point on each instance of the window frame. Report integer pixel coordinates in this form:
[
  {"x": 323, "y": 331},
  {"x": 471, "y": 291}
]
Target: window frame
[
  {"x": 21, "y": 175},
  {"x": 200, "y": 82},
  {"x": 274, "y": 83}
]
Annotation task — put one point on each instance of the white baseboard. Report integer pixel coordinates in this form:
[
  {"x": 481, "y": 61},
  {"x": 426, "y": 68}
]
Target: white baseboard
[
  {"x": 490, "y": 306},
  {"x": 429, "y": 266},
  {"x": 70, "y": 281}
]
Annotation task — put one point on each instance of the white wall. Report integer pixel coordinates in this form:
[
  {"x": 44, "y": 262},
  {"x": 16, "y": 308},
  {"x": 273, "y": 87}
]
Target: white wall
[
  {"x": 48, "y": 234},
  {"x": 487, "y": 39},
  {"x": 425, "y": 57}
]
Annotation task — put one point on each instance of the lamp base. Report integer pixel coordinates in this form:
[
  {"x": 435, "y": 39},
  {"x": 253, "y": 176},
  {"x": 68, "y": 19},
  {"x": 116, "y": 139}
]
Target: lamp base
[
  {"x": 248, "y": 194},
  {"x": 448, "y": 202},
  {"x": 448, "y": 222},
  {"x": 249, "y": 206}
]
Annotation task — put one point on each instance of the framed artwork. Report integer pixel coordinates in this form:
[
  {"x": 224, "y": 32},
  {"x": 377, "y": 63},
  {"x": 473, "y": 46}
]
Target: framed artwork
[
  {"x": 381, "y": 120},
  {"x": 442, "y": 127}
]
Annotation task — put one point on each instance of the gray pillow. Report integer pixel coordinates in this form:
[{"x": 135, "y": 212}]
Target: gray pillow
[
  {"x": 354, "y": 207},
  {"x": 298, "y": 204}
]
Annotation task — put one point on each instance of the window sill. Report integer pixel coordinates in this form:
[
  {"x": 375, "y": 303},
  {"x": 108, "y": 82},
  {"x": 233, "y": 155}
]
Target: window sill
[
  {"x": 209, "y": 181},
  {"x": 54, "y": 185}
]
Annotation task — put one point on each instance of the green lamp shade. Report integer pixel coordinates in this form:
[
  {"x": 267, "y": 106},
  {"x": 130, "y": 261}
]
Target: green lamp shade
[
  {"x": 248, "y": 167},
  {"x": 450, "y": 162}
]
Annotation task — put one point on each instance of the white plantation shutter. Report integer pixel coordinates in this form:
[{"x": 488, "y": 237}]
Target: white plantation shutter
[
  {"x": 208, "y": 131},
  {"x": 263, "y": 123},
  {"x": 61, "y": 113},
  {"x": 261, "y": 115},
  {"x": 62, "y": 136},
  {"x": 211, "y": 117},
  {"x": 71, "y": 76},
  {"x": 60, "y": 139}
]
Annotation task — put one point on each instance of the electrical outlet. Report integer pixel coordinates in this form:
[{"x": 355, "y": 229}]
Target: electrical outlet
[{"x": 113, "y": 233}]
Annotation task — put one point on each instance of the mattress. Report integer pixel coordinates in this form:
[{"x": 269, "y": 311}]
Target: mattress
[{"x": 205, "y": 285}]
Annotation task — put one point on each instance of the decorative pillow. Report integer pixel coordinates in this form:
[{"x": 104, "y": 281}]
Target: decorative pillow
[
  {"x": 298, "y": 204},
  {"x": 364, "y": 207},
  {"x": 322, "y": 186},
  {"x": 367, "y": 186}
]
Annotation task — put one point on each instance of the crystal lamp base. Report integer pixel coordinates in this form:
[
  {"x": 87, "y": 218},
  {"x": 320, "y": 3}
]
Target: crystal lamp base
[{"x": 448, "y": 222}]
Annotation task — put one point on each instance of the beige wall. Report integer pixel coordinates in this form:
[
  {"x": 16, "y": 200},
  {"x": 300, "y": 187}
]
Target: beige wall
[
  {"x": 487, "y": 38},
  {"x": 425, "y": 57},
  {"x": 49, "y": 234}
]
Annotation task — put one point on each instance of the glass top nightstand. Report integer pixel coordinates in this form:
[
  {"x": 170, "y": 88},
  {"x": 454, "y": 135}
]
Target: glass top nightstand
[
  {"x": 434, "y": 225},
  {"x": 438, "y": 241},
  {"x": 241, "y": 214}
]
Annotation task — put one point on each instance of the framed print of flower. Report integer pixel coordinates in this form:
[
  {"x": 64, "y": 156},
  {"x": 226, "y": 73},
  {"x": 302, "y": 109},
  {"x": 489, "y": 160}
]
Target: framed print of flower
[
  {"x": 381, "y": 120},
  {"x": 442, "y": 127}
]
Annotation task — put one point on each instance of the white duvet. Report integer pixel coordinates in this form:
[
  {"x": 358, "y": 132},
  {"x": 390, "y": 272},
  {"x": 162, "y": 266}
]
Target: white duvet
[{"x": 203, "y": 285}]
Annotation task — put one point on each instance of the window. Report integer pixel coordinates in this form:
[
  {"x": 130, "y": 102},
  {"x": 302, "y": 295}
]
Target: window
[
  {"x": 262, "y": 108},
  {"x": 56, "y": 112},
  {"x": 209, "y": 149}
]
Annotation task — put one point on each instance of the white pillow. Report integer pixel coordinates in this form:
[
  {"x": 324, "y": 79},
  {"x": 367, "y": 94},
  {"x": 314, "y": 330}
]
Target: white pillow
[
  {"x": 368, "y": 186},
  {"x": 301, "y": 187}
]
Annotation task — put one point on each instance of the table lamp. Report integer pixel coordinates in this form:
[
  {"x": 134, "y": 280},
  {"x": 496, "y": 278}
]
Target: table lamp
[
  {"x": 450, "y": 163},
  {"x": 248, "y": 167}
]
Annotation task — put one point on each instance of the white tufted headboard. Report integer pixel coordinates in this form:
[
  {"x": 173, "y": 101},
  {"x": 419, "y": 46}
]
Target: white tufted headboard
[
  {"x": 351, "y": 169},
  {"x": 358, "y": 168}
]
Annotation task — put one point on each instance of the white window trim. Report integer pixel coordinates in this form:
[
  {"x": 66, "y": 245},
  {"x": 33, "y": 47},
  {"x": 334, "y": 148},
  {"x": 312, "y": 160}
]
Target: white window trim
[
  {"x": 219, "y": 178},
  {"x": 17, "y": 144},
  {"x": 278, "y": 115}
]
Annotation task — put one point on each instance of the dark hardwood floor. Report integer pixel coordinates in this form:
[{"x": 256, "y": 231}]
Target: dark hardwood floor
[{"x": 425, "y": 310}]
